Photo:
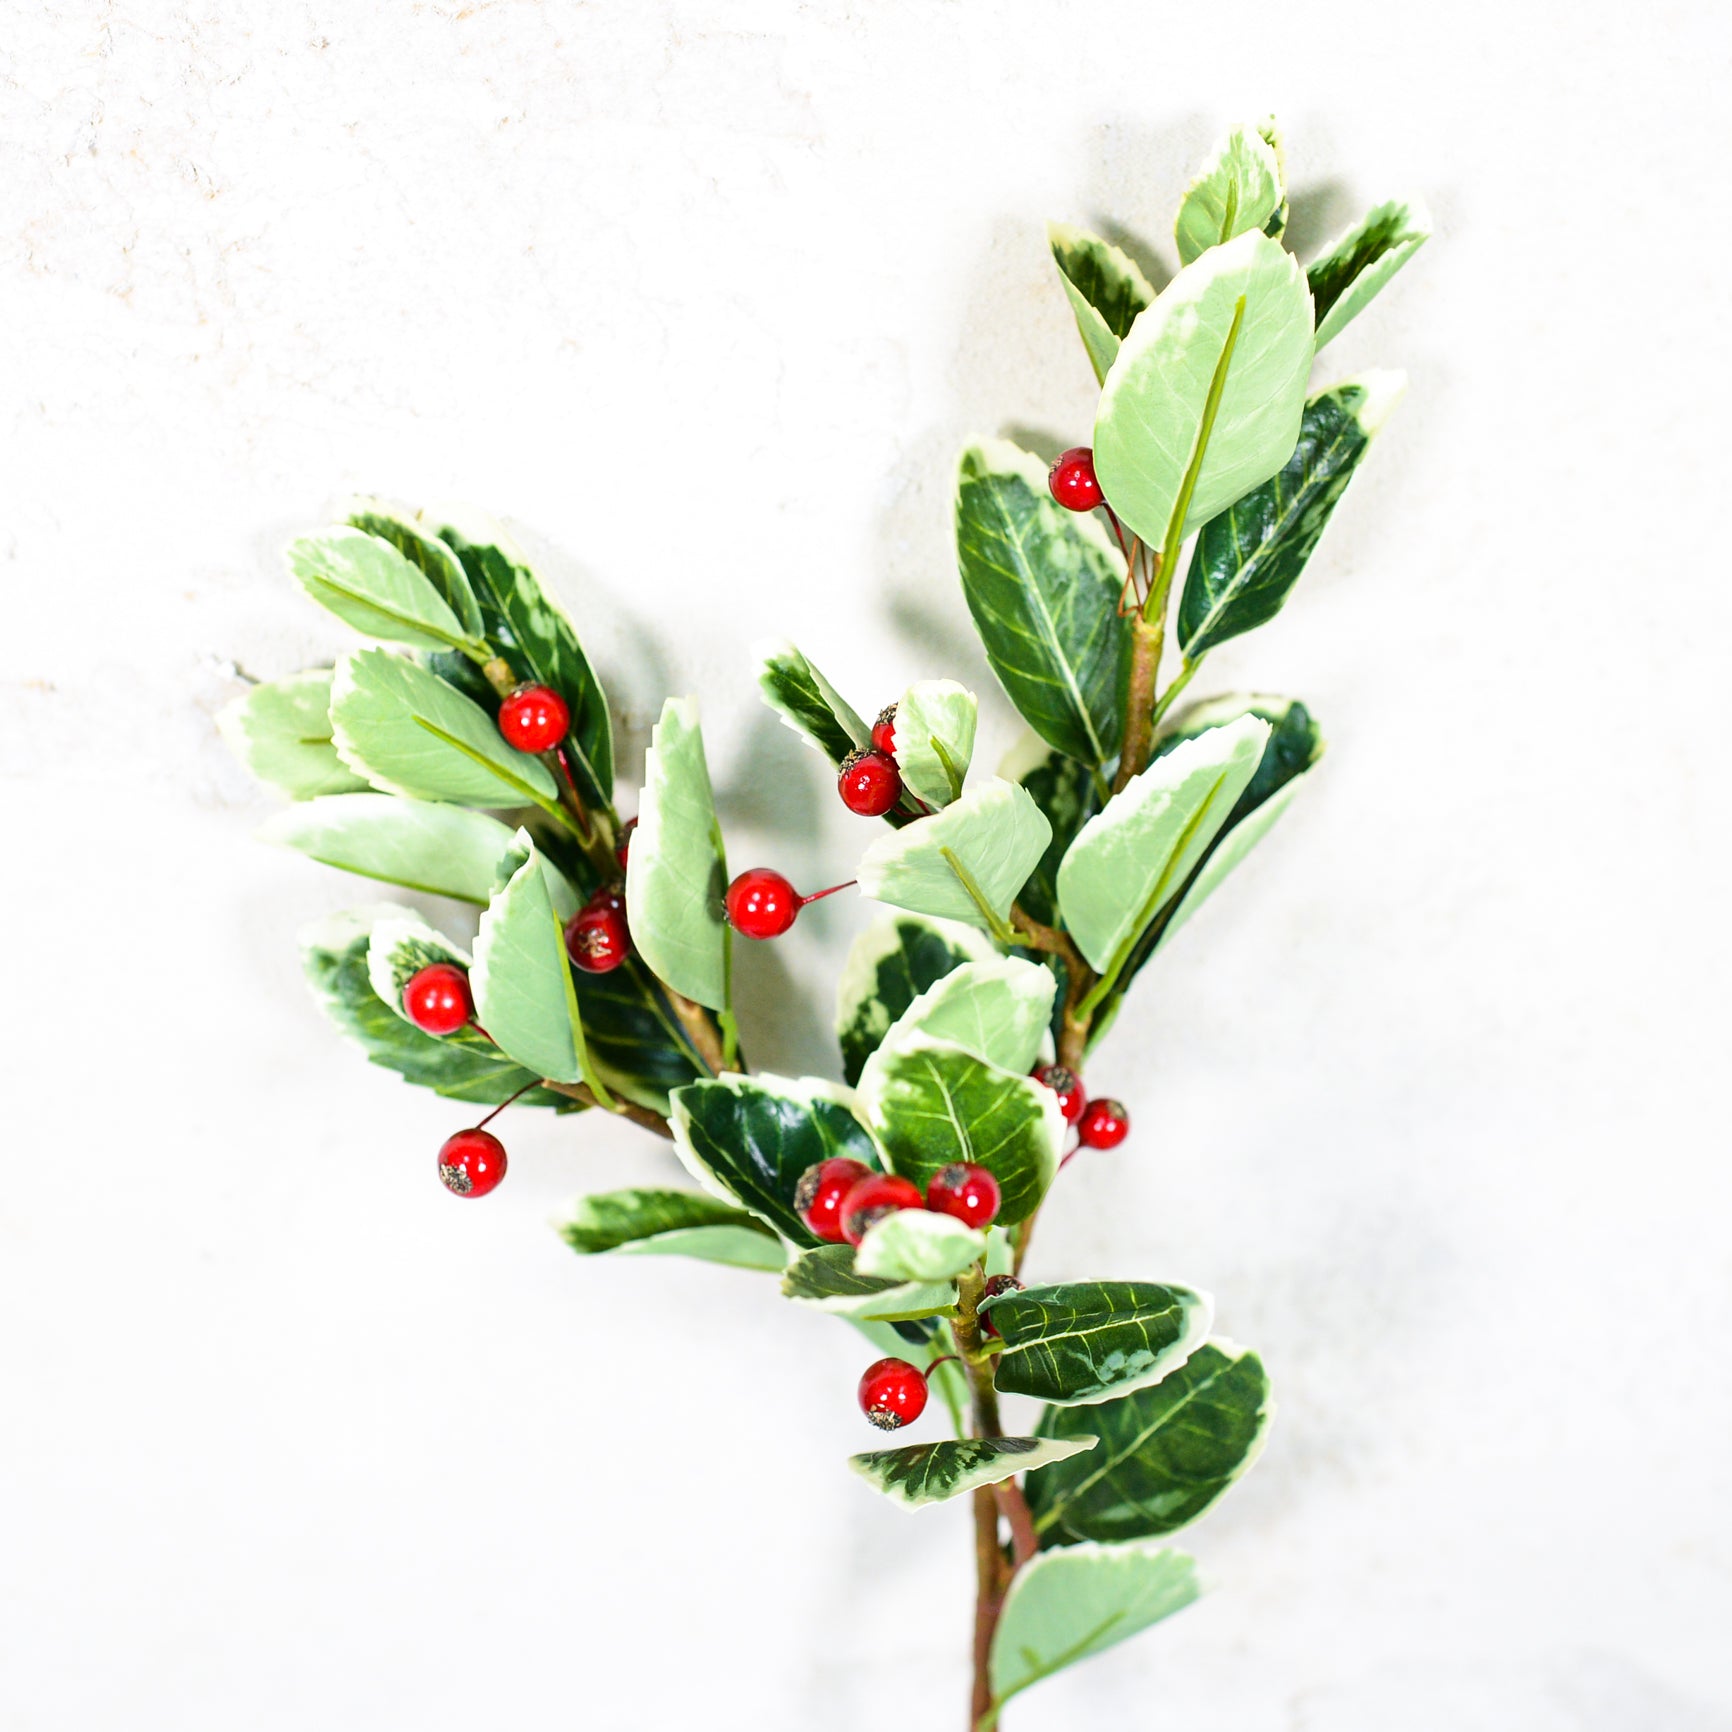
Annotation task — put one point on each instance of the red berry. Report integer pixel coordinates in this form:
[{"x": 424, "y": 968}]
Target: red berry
[
  {"x": 870, "y": 783},
  {"x": 436, "y": 998},
  {"x": 1072, "y": 480},
  {"x": 762, "y": 903},
  {"x": 892, "y": 1393},
  {"x": 870, "y": 1199},
  {"x": 534, "y": 719},
  {"x": 995, "y": 1285},
  {"x": 968, "y": 1192},
  {"x": 1067, "y": 1085},
  {"x": 471, "y": 1163},
  {"x": 596, "y": 936},
  {"x": 1104, "y": 1125},
  {"x": 818, "y": 1196},
  {"x": 884, "y": 730},
  {"x": 623, "y": 851}
]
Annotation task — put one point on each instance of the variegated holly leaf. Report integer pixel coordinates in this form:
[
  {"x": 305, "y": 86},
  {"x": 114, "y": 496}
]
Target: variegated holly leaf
[
  {"x": 750, "y": 1138},
  {"x": 935, "y": 722},
  {"x": 918, "y": 1245},
  {"x": 1166, "y": 1452},
  {"x": 1248, "y": 559},
  {"x": 428, "y": 554},
  {"x": 1104, "y": 286},
  {"x": 1043, "y": 585},
  {"x": 439, "y": 850},
  {"x": 826, "y": 1279},
  {"x": 638, "y": 1046},
  {"x": 281, "y": 731},
  {"x": 890, "y": 964},
  {"x": 807, "y": 702},
  {"x": 368, "y": 584},
  {"x": 671, "y": 1223},
  {"x": 925, "y": 1473},
  {"x": 1082, "y": 1341},
  {"x": 1355, "y": 269},
  {"x": 997, "y": 1009},
  {"x": 401, "y": 945},
  {"x": 1240, "y": 188},
  {"x": 1069, "y": 793}
]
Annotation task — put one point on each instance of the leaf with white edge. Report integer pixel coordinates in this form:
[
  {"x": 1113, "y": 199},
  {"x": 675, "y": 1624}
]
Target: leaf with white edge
[
  {"x": 827, "y": 1280},
  {"x": 521, "y": 980},
  {"x": 1270, "y": 134},
  {"x": 1069, "y": 794},
  {"x": 368, "y": 584},
  {"x": 671, "y": 1223},
  {"x": 281, "y": 731},
  {"x": 1358, "y": 266},
  {"x": 1239, "y": 189},
  {"x": 465, "y": 1066},
  {"x": 1064, "y": 1606},
  {"x": 1248, "y": 559},
  {"x": 807, "y": 702},
  {"x": 1043, "y": 586},
  {"x": 1083, "y": 1341},
  {"x": 401, "y": 945},
  {"x": 965, "y": 863},
  {"x": 677, "y": 874},
  {"x": 997, "y": 1009},
  {"x": 638, "y": 1047},
  {"x": 439, "y": 850},
  {"x": 1104, "y": 286},
  {"x": 1205, "y": 399},
  {"x": 1166, "y": 1453},
  {"x": 429, "y": 555},
  {"x": 1230, "y": 848},
  {"x": 927, "y": 1473},
  {"x": 408, "y": 732},
  {"x": 932, "y": 1103},
  {"x": 890, "y": 964},
  {"x": 1140, "y": 849},
  {"x": 749, "y": 1139},
  {"x": 918, "y": 1245},
  {"x": 935, "y": 722}
]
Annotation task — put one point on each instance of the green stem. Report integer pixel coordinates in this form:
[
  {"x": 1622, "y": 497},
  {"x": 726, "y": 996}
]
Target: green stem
[
  {"x": 995, "y": 922},
  {"x": 1181, "y": 679}
]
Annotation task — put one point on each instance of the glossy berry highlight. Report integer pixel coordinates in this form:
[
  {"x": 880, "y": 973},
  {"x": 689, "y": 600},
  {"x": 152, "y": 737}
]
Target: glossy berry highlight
[
  {"x": 762, "y": 903},
  {"x": 1067, "y": 1085},
  {"x": 819, "y": 1194},
  {"x": 436, "y": 998},
  {"x": 1072, "y": 480},
  {"x": 870, "y": 783},
  {"x": 872, "y": 1198},
  {"x": 471, "y": 1163},
  {"x": 892, "y": 1393},
  {"x": 884, "y": 731},
  {"x": 534, "y": 719},
  {"x": 597, "y": 938},
  {"x": 1104, "y": 1125},
  {"x": 966, "y": 1191}
]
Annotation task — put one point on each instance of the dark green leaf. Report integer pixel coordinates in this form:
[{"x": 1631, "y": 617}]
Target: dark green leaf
[
  {"x": 923, "y": 1473},
  {"x": 665, "y": 1223},
  {"x": 1105, "y": 289},
  {"x": 1353, "y": 271},
  {"x": 827, "y": 1279},
  {"x": 807, "y": 702},
  {"x": 634, "y": 1038}
]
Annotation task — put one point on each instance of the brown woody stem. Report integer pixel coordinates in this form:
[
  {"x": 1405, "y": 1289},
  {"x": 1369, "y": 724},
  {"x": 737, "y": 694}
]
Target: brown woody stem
[
  {"x": 700, "y": 1031},
  {"x": 1146, "y": 637},
  {"x": 651, "y": 1121}
]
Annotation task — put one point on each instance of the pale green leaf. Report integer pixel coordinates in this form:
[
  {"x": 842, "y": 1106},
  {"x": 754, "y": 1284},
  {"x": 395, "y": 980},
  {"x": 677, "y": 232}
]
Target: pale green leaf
[
  {"x": 400, "y": 946},
  {"x": 997, "y": 1009},
  {"x": 1270, "y": 134},
  {"x": 281, "y": 731},
  {"x": 1229, "y": 850},
  {"x": 935, "y": 722},
  {"x": 918, "y": 1245},
  {"x": 428, "y": 554},
  {"x": 1356, "y": 268},
  {"x": 928, "y": 1473},
  {"x": 807, "y": 702},
  {"x": 826, "y": 1279},
  {"x": 368, "y": 584},
  {"x": 1239, "y": 189},
  {"x": 671, "y": 1223},
  {"x": 1104, "y": 286}
]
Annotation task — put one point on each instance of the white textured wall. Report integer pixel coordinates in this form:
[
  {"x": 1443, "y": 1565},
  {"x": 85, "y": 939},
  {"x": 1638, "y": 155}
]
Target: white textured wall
[{"x": 702, "y": 298}]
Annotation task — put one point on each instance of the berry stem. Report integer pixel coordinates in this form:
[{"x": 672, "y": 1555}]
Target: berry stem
[
  {"x": 819, "y": 895},
  {"x": 505, "y": 1103}
]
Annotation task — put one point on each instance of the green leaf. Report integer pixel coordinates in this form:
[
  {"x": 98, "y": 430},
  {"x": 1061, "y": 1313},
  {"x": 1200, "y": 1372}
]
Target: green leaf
[
  {"x": 534, "y": 635},
  {"x": 522, "y": 977},
  {"x": 440, "y": 850},
  {"x": 666, "y": 1223},
  {"x": 281, "y": 731},
  {"x": 429, "y": 555},
  {"x": 678, "y": 874},
  {"x": 890, "y": 964},
  {"x": 1354, "y": 270},
  {"x": 635, "y": 1042},
  {"x": 1141, "y": 848},
  {"x": 750, "y": 1138},
  {"x": 408, "y": 732},
  {"x": 926, "y": 1473},
  {"x": 1105, "y": 289},
  {"x": 1205, "y": 398},
  {"x": 1043, "y": 586},
  {"x": 1064, "y": 1606},
  {"x": 827, "y": 1280},
  {"x": 997, "y": 1009},
  {"x": 1166, "y": 1453},
  {"x": 1270, "y": 134},
  {"x": 1083, "y": 1341},
  {"x": 918, "y": 1245},
  {"x": 1248, "y": 559},
  {"x": 400, "y": 946},
  {"x": 1239, "y": 189},
  {"x": 935, "y": 721},
  {"x": 1069, "y": 793},
  {"x": 965, "y": 863},
  {"x": 807, "y": 702},
  {"x": 465, "y": 1066},
  {"x": 368, "y": 584},
  {"x": 932, "y": 1103}
]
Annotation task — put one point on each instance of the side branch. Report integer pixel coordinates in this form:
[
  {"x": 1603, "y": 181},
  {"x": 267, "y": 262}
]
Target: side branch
[{"x": 651, "y": 1121}]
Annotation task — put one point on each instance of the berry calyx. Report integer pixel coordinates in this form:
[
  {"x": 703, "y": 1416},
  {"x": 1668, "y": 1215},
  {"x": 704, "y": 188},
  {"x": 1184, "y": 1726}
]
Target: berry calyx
[
  {"x": 534, "y": 718},
  {"x": 1067, "y": 1085},
  {"x": 436, "y": 998},
  {"x": 1104, "y": 1125},
  {"x": 884, "y": 731},
  {"x": 622, "y": 852},
  {"x": 892, "y": 1393},
  {"x": 1072, "y": 480},
  {"x": 966, "y": 1191},
  {"x": 471, "y": 1163},
  {"x": 762, "y": 903},
  {"x": 870, "y": 1199},
  {"x": 995, "y": 1285},
  {"x": 818, "y": 1196},
  {"x": 870, "y": 783},
  {"x": 596, "y": 937}
]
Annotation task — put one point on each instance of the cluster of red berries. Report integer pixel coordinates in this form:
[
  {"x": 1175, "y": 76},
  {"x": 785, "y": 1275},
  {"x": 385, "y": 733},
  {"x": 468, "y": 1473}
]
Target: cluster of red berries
[
  {"x": 870, "y": 782},
  {"x": 841, "y": 1200},
  {"x": 893, "y": 1392},
  {"x": 1099, "y": 1124}
]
